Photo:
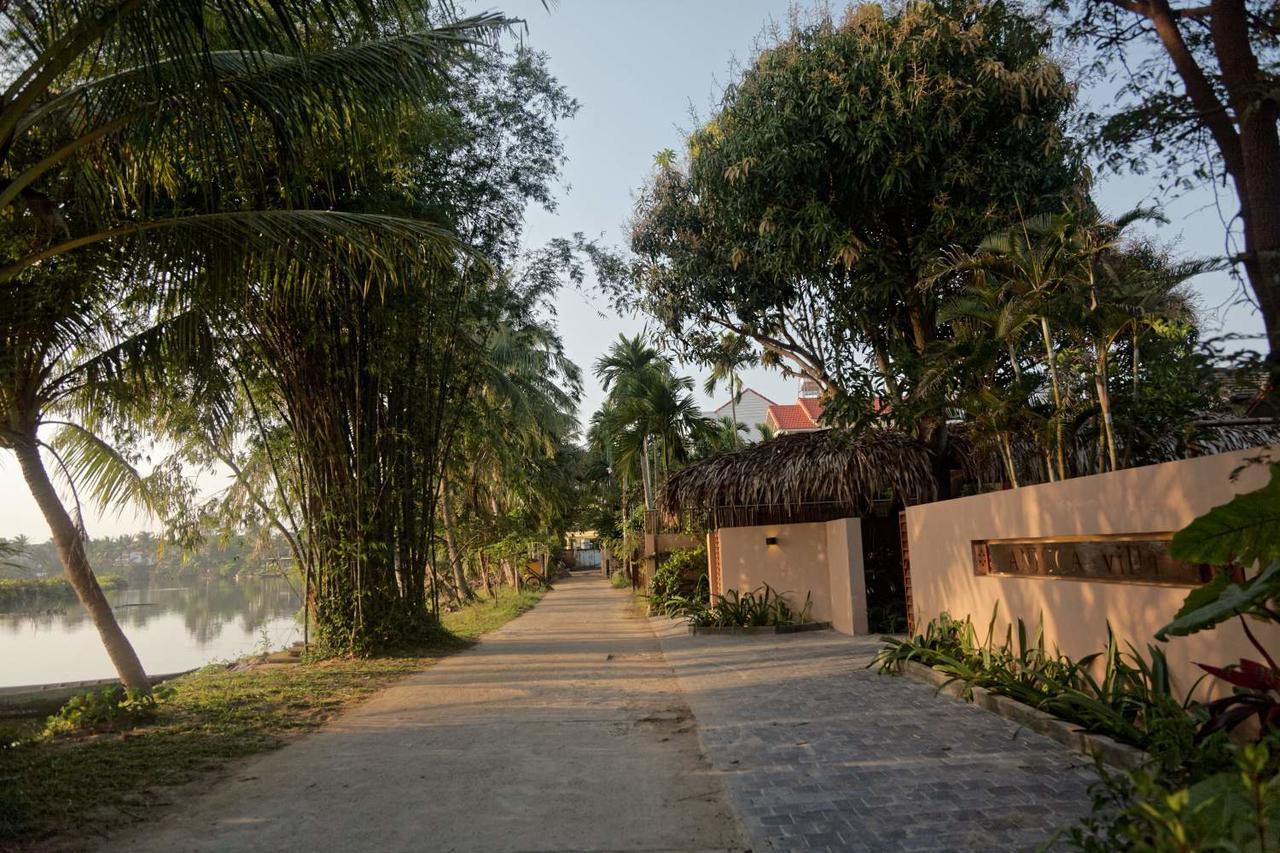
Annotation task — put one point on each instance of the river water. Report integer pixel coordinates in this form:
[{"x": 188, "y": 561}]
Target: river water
[{"x": 174, "y": 626}]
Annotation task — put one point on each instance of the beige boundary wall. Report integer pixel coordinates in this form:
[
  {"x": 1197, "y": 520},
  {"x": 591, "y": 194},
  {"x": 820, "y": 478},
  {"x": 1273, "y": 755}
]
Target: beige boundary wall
[
  {"x": 1153, "y": 499},
  {"x": 821, "y": 558}
]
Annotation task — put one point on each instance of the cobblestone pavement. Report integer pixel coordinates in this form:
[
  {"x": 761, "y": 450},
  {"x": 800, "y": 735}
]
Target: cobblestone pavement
[{"x": 820, "y": 753}]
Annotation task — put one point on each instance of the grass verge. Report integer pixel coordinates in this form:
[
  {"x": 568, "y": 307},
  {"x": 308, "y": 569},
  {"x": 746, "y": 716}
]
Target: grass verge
[{"x": 53, "y": 789}]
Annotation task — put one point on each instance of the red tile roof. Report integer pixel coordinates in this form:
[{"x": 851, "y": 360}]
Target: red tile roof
[{"x": 796, "y": 417}]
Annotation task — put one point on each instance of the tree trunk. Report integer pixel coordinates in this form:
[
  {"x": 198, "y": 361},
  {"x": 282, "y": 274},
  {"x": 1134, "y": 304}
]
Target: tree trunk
[
  {"x": 1257, "y": 177},
  {"x": 484, "y": 575},
  {"x": 451, "y": 546},
  {"x": 1104, "y": 403},
  {"x": 70, "y": 547},
  {"x": 733, "y": 407},
  {"x": 1057, "y": 396},
  {"x": 1007, "y": 451},
  {"x": 1250, "y": 149},
  {"x": 645, "y": 476}
]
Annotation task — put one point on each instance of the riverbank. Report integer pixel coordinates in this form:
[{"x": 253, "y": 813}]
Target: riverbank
[
  {"x": 19, "y": 595},
  {"x": 55, "y": 789}
]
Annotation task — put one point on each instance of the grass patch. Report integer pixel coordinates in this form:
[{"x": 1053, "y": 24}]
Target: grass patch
[
  {"x": 57, "y": 786},
  {"x": 487, "y": 614}
]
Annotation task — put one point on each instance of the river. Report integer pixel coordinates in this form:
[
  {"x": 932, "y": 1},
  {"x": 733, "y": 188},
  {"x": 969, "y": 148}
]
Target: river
[{"x": 174, "y": 626}]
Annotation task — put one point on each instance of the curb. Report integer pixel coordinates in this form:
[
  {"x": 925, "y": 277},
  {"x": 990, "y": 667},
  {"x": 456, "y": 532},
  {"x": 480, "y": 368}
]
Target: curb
[
  {"x": 1101, "y": 747},
  {"x": 760, "y": 629}
]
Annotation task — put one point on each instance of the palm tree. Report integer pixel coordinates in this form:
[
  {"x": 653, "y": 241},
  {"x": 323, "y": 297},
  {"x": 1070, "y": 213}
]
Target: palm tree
[
  {"x": 153, "y": 148},
  {"x": 652, "y": 418},
  {"x": 69, "y": 366},
  {"x": 732, "y": 353}
]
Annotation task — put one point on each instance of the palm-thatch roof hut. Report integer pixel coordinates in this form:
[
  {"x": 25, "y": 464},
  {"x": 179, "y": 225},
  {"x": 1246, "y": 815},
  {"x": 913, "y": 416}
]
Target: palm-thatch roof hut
[
  {"x": 808, "y": 476},
  {"x": 832, "y": 473}
]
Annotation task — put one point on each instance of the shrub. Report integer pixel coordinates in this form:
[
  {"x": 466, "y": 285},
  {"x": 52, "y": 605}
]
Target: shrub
[
  {"x": 761, "y": 607},
  {"x": 1237, "y": 808},
  {"x": 681, "y": 578},
  {"x": 109, "y": 708},
  {"x": 1130, "y": 699},
  {"x": 619, "y": 579}
]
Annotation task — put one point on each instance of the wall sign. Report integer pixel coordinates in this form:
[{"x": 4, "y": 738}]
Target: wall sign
[{"x": 1123, "y": 558}]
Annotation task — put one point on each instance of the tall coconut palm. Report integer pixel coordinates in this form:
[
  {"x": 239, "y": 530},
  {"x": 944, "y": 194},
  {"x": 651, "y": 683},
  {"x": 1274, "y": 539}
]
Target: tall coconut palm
[
  {"x": 68, "y": 368},
  {"x": 150, "y": 148},
  {"x": 733, "y": 353}
]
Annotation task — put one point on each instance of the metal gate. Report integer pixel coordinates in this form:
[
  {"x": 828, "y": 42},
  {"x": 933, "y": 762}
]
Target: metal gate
[{"x": 882, "y": 565}]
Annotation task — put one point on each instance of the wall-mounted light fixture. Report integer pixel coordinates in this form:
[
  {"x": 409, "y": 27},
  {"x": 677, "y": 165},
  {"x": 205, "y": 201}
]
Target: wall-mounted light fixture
[{"x": 771, "y": 540}]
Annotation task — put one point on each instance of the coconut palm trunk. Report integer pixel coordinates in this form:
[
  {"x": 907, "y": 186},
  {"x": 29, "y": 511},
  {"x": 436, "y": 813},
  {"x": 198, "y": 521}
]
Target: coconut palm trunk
[
  {"x": 1059, "y": 439},
  {"x": 70, "y": 547}
]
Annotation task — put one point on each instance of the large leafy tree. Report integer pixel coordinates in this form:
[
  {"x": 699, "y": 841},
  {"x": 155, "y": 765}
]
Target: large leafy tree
[
  {"x": 845, "y": 159},
  {"x": 358, "y": 394},
  {"x": 160, "y": 154},
  {"x": 1198, "y": 101}
]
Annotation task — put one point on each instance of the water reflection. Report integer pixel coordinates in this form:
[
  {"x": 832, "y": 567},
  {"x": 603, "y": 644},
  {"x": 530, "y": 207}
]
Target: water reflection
[{"x": 172, "y": 628}]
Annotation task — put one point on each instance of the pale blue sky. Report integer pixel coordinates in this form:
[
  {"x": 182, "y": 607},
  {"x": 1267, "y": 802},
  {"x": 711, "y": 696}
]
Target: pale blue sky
[{"x": 637, "y": 67}]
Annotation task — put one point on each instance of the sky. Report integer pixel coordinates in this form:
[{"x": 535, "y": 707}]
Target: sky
[{"x": 641, "y": 69}]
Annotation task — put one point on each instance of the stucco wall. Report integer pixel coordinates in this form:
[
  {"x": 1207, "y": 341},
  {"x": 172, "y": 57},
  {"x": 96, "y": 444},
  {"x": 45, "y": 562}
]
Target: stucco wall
[
  {"x": 1153, "y": 499},
  {"x": 823, "y": 559}
]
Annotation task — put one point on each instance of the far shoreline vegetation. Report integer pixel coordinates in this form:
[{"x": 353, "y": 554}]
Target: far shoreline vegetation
[
  {"x": 31, "y": 576},
  {"x": 19, "y": 595}
]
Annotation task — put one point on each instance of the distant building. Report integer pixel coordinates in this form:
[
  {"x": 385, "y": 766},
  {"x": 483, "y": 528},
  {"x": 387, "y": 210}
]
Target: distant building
[
  {"x": 1246, "y": 393},
  {"x": 804, "y": 415},
  {"x": 753, "y": 408}
]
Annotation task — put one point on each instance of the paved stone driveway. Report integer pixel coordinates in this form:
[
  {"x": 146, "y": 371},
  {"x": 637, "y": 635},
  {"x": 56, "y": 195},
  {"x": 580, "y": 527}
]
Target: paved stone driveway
[{"x": 820, "y": 753}]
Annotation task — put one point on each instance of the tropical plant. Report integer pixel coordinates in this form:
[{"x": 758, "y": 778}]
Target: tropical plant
[
  {"x": 1115, "y": 692},
  {"x": 1196, "y": 106},
  {"x": 842, "y": 161},
  {"x": 159, "y": 156},
  {"x": 681, "y": 577},
  {"x": 650, "y": 421},
  {"x": 758, "y": 608},
  {"x": 1049, "y": 303},
  {"x": 730, "y": 356},
  {"x": 1236, "y": 808},
  {"x": 1242, "y": 532},
  {"x": 108, "y": 708}
]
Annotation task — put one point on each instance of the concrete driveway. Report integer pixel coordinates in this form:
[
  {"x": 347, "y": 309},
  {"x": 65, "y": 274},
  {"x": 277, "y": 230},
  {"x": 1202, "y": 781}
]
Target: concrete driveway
[{"x": 564, "y": 730}]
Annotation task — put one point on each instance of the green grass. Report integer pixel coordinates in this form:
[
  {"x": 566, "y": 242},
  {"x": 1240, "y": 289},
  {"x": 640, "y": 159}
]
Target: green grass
[
  {"x": 27, "y": 593},
  {"x": 60, "y": 786}
]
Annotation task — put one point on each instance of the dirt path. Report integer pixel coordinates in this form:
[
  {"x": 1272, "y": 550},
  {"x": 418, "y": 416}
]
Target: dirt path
[{"x": 564, "y": 730}]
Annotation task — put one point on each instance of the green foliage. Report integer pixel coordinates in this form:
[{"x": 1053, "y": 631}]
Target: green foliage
[
  {"x": 107, "y": 709},
  {"x": 34, "y": 593},
  {"x": 1115, "y": 692},
  {"x": 1222, "y": 599},
  {"x": 1244, "y": 530},
  {"x": 681, "y": 576},
  {"x": 1236, "y": 809},
  {"x": 758, "y": 608},
  {"x": 619, "y": 580},
  {"x": 846, "y": 158}
]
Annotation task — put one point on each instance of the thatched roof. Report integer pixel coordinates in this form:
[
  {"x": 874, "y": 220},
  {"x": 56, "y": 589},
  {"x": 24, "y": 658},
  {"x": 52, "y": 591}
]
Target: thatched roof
[
  {"x": 831, "y": 473},
  {"x": 805, "y": 476}
]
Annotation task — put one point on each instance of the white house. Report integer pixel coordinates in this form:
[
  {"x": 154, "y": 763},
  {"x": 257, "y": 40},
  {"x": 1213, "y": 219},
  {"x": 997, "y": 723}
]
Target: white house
[{"x": 753, "y": 409}]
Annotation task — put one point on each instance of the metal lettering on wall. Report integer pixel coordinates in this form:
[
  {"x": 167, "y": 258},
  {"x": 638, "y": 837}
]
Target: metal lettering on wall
[{"x": 1141, "y": 559}]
